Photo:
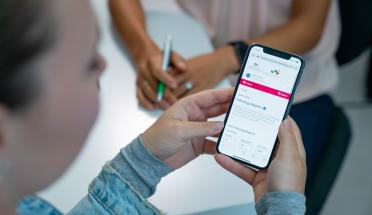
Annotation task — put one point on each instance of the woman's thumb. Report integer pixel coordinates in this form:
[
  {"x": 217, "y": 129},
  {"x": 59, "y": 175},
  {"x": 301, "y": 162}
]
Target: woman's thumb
[{"x": 288, "y": 145}]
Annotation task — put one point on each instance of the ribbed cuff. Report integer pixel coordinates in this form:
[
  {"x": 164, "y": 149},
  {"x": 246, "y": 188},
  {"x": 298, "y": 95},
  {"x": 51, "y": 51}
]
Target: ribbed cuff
[
  {"x": 282, "y": 203},
  {"x": 137, "y": 165}
]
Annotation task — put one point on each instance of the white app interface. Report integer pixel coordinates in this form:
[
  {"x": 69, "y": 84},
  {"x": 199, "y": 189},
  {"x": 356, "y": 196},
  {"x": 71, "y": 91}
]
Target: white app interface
[{"x": 259, "y": 106}]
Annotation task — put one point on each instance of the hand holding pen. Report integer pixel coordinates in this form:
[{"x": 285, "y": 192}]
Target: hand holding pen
[
  {"x": 167, "y": 51},
  {"x": 150, "y": 72}
]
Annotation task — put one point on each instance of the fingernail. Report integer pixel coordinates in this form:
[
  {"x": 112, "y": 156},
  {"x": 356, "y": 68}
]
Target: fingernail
[
  {"x": 181, "y": 64},
  {"x": 217, "y": 126},
  {"x": 286, "y": 123}
]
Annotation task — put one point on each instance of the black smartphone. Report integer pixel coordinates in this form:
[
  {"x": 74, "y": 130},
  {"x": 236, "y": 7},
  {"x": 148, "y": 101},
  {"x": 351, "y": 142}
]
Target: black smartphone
[{"x": 263, "y": 95}]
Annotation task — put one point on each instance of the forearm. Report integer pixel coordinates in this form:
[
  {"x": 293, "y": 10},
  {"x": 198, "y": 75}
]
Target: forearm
[
  {"x": 125, "y": 183},
  {"x": 303, "y": 32},
  {"x": 294, "y": 37},
  {"x": 129, "y": 18}
]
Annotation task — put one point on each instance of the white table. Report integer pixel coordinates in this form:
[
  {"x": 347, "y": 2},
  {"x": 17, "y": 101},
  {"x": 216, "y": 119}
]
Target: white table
[{"x": 201, "y": 185}]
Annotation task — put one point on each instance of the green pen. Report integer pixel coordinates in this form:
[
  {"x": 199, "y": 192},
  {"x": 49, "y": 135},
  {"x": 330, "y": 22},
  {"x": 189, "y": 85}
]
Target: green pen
[{"x": 167, "y": 51}]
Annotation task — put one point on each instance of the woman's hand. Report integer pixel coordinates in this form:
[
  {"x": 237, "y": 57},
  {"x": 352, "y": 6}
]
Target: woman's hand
[
  {"x": 149, "y": 72},
  {"x": 205, "y": 71},
  {"x": 179, "y": 135},
  {"x": 287, "y": 172}
]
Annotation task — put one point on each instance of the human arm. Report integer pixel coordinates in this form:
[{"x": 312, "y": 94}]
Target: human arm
[
  {"x": 299, "y": 35},
  {"x": 278, "y": 189},
  {"x": 129, "y": 19},
  {"x": 302, "y": 32},
  {"x": 175, "y": 139}
]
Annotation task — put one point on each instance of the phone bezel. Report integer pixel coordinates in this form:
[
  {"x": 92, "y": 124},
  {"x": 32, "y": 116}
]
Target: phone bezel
[{"x": 273, "y": 52}]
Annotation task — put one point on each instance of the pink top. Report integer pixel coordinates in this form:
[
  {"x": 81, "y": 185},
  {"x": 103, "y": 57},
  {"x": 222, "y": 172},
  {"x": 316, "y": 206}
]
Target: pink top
[{"x": 228, "y": 20}]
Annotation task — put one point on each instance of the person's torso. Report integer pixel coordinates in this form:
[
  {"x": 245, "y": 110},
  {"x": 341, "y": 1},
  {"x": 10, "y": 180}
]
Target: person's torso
[{"x": 244, "y": 19}]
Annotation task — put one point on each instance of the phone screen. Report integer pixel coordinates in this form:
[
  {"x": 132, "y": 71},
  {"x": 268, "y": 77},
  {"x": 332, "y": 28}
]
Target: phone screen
[{"x": 261, "y": 101}]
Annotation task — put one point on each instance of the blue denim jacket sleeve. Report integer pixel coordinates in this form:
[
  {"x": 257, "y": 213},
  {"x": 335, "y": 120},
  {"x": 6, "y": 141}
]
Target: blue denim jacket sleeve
[{"x": 125, "y": 183}]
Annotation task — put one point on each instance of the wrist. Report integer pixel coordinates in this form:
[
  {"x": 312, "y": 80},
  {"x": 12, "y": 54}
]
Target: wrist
[
  {"x": 144, "y": 50},
  {"x": 149, "y": 142},
  {"x": 240, "y": 50},
  {"x": 228, "y": 56},
  {"x": 145, "y": 141},
  {"x": 288, "y": 185}
]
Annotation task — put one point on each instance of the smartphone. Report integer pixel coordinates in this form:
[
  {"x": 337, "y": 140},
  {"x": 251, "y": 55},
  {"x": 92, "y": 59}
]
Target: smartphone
[{"x": 262, "y": 98}]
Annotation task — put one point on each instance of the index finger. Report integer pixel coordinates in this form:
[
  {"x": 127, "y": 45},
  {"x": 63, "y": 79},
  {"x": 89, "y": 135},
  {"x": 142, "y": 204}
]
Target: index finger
[{"x": 210, "y": 98}]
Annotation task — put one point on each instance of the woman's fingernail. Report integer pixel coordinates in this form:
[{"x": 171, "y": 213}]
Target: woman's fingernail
[
  {"x": 286, "y": 123},
  {"x": 181, "y": 64},
  {"x": 217, "y": 126}
]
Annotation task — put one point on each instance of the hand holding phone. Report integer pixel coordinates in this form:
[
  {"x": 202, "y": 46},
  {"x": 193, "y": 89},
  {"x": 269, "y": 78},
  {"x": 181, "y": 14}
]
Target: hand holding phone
[
  {"x": 261, "y": 101},
  {"x": 178, "y": 136},
  {"x": 286, "y": 173}
]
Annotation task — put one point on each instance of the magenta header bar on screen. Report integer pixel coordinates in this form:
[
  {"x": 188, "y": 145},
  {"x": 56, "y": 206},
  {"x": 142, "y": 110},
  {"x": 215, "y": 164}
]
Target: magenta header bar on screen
[{"x": 265, "y": 89}]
